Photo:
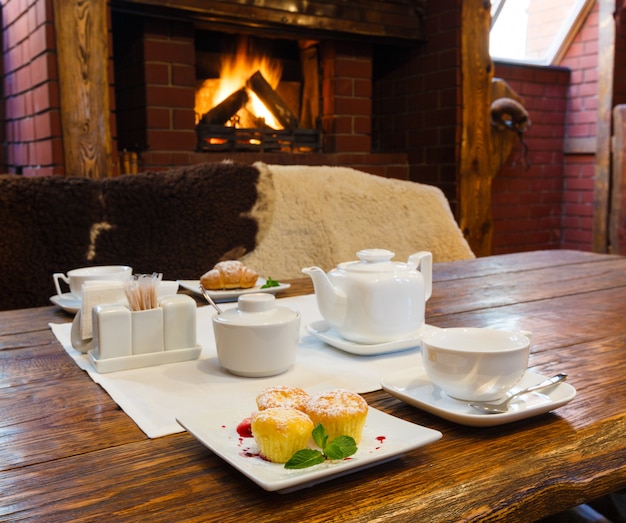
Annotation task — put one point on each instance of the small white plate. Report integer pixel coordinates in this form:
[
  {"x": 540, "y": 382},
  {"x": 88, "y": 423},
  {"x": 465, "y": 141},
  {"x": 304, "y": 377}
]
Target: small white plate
[
  {"x": 68, "y": 302},
  {"x": 384, "y": 438},
  {"x": 233, "y": 294},
  {"x": 413, "y": 387},
  {"x": 322, "y": 331}
]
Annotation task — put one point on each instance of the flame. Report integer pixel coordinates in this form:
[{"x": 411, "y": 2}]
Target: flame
[{"x": 234, "y": 72}]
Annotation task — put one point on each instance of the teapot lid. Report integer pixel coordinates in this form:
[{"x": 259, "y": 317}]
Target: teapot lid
[{"x": 373, "y": 260}]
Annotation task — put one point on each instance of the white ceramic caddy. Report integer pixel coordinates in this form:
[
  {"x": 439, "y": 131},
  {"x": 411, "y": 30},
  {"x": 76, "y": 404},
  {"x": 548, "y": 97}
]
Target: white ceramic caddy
[{"x": 125, "y": 339}]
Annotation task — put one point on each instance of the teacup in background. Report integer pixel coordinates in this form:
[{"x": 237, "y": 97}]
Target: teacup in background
[
  {"x": 475, "y": 364},
  {"x": 76, "y": 277}
]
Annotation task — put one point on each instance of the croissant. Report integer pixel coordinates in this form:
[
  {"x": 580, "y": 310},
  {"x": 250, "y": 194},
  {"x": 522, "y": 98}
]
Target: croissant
[{"x": 229, "y": 274}]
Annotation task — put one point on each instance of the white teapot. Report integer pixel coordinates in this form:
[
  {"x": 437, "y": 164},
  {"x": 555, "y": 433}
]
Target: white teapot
[{"x": 374, "y": 300}]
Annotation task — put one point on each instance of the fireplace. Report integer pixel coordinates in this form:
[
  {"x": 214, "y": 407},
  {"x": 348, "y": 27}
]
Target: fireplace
[
  {"x": 264, "y": 99},
  {"x": 163, "y": 56}
]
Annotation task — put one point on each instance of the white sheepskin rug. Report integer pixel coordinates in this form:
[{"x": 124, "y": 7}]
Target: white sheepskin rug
[{"x": 323, "y": 215}]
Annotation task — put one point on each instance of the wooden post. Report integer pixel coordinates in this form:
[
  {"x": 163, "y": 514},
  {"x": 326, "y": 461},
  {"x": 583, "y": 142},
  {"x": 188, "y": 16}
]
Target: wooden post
[
  {"x": 475, "y": 174},
  {"x": 484, "y": 148},
  {"x": 82, "y": 56},
  {"x": 617, "y": 217}
]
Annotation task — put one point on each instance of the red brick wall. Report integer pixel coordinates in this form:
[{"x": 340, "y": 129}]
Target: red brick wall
[
  {"x": 527, "y": 200},
  {"x": 347, "y": 97},
  {"x": 31, "y": 119},
  {"x": 418, "y": 99},
  {"x": 31, "y": 93},
  {"x": 579, "y": 169}
]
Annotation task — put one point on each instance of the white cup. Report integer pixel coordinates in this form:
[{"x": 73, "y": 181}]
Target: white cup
[
  {"x": 257, "y": 338},
  {"x": 76, "y": 277},
  {"x": 475, "y": 364}
]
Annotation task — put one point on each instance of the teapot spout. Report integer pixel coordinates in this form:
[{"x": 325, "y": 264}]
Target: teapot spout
[{"x": 331, "y": 301}]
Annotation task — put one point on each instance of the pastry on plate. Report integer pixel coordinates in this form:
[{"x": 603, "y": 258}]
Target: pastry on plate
[
  {"x": 342, "y": 412},
  {"x": 229, "y": 274},
  {"x": 282, "y": 396},
  {"x": 280, "y": 432}
]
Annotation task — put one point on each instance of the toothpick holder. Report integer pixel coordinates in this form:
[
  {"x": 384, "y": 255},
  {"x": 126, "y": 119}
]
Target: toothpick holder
[{"x": 125, "y": 339}]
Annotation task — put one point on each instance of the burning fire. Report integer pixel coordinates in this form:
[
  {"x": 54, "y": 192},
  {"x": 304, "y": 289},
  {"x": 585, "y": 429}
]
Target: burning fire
[{"x": 235, "y": 71}]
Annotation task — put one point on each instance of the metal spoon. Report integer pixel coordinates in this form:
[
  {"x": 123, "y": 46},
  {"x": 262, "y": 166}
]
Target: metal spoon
[
  {"x": 503, "y": 406},
  {"x": 208, "y": 298}
]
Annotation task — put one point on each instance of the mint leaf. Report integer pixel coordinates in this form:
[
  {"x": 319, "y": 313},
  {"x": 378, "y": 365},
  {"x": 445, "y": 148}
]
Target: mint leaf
[
  {"x": 305, "y": 458},
  {"x": 270, "y": 283},
  {"x": 320, "y": 436},
  {"x": 341, "y": 447}
]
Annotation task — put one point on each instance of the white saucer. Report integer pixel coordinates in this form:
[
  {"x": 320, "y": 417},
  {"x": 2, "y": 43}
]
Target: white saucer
[
  {"x": 322, "y": 331},
  {"x": 413, "y": 387},
  {"x": 384, "y": 438},
  {"x": 68, "y": 302},
  {"x": 233, "y": 294}
]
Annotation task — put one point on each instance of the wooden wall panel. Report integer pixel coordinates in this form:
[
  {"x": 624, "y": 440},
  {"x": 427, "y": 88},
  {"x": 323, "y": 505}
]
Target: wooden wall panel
[{"x": 82, "y": 54}]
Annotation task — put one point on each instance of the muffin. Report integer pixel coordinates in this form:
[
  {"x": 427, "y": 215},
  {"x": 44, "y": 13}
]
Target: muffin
[
  {"x": 342, "y": 412},
  {"x": 283, "y": 396},
  {"x": 280, "y": 432}
]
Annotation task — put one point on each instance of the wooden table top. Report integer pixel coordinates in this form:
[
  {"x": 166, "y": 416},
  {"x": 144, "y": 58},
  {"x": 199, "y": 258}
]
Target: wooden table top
[{"x": 68, "y": 452}]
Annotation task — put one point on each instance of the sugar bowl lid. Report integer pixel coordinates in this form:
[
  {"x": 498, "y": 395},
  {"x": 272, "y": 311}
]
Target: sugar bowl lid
[{"x": 256, "y": 309}]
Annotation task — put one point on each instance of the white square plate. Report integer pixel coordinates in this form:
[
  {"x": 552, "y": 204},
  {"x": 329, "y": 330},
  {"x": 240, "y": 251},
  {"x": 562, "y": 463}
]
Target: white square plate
[
  {"x": 385, "y": 437},
  {"x": 233, "y": 294}
]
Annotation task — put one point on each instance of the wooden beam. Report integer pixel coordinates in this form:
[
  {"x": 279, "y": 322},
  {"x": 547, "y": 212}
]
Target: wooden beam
[
  {"x": 82, "y": 55},
  {"x": 474, "y": 175},
  {"x": 617, "y": 217},
  {"x": 386, "y": 19},
  {"x": 606, "y": 60}
]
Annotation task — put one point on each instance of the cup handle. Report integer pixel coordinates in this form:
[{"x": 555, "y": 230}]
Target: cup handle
[{"x": 60, "y": 276}]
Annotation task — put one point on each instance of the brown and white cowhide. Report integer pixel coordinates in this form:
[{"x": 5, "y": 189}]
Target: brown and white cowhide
[
  {"x": 276, "y": 219},
  {"x": 178, "y": 222}
]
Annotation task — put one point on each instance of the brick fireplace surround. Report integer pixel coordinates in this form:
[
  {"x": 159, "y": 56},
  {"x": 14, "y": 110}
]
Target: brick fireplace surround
[
  {"x": 162, "y": 127},
  {"x": 156, "y": 72}
]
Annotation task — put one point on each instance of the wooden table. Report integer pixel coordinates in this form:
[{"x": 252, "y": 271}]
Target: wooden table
[{"x": 67, "y": 452}]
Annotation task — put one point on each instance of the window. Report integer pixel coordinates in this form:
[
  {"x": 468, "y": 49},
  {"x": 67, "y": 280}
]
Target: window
[{"x": 535, "y": 31}]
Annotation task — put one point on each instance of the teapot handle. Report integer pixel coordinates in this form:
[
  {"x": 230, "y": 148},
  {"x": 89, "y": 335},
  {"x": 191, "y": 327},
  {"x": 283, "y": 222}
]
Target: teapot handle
[{"x": 423, "y": 262}]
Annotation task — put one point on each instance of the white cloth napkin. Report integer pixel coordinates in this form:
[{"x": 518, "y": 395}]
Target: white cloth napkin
[
  {"x": 96, "y": 292},
  {"x": 154, "y": 396}
]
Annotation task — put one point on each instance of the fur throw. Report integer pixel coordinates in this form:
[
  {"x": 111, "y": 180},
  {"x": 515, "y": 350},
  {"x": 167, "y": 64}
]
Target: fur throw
[
  {"x": 323, "y": 215},
  {"x": 183, "y": 221},
  {"x": 179, "y": 222}
]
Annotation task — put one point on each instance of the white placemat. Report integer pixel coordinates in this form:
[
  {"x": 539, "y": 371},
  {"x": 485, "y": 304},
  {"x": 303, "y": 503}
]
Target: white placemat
[{"x": 154, "y": 396}]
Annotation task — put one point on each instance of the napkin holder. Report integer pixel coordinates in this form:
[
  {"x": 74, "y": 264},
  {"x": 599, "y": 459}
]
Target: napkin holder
[{"x": 125, "y": 339}]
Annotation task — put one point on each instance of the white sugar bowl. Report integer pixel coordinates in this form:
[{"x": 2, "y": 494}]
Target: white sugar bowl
[{"x": 257, "y": 338}]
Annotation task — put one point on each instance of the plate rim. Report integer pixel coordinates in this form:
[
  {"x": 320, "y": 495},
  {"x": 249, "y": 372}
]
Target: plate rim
[
  {"x": 71, "y": 305},
  {"x": 292, "y": 480},
  {"x": 374, "y": 349},
  {"x": 476, "y": 419},
  {"x": 230, "y": 295}
]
